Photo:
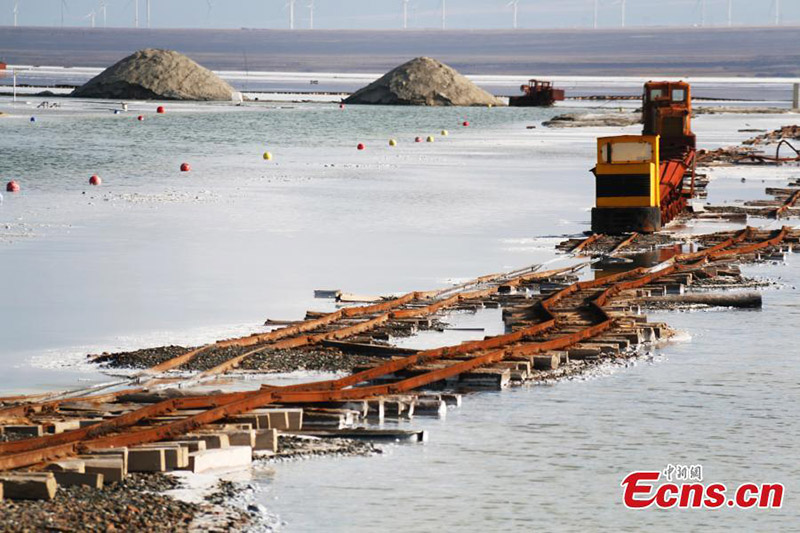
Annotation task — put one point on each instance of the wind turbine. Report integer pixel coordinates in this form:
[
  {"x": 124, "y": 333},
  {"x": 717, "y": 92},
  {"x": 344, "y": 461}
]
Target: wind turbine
[
  {"x": 15, "y": 11},
  {"x": 444, "y": 13},
  {"x": 702, "y": 13},
  {"x": 730, "y": 13},
  {"x": 310, "y": 14},
  {"x": 91, "y": 16},
  {"x": 514, "y": 6},
  {"x": 405, "y": 14},
  {"x": 136, "y": 13},
  {"x": 102, "y": 4},
  {"x": 596, "y": 8},
  {"x": 63, "y": 6},
  {"x": 290, "y": 5},
  {"x": 622, "y": 6},
  {"x": 147, "y": 9},
  {"x": 777, "y": 12}
]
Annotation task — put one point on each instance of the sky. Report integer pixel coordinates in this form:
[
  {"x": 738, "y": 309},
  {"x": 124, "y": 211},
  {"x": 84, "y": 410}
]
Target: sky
[{"x": 387, "y": 14}]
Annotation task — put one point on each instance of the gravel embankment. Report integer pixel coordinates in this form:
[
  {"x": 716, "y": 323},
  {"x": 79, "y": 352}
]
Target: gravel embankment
[
  {"x": 144, "y": 358},
  {"x": 131, "y": 505}
]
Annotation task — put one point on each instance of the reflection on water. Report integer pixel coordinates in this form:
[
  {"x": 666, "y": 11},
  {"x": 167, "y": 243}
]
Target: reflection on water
[{"x": 609, "y": 266}]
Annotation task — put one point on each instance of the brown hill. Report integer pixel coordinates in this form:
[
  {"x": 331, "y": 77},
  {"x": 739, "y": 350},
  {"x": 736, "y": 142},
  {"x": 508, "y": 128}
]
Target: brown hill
[
  {"x": 159, "y": 75},
  {"x": 423, "y": 81}
]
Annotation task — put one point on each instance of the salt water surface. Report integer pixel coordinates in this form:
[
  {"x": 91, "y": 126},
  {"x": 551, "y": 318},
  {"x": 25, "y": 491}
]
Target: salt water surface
[{"x": 155, "y": 256}]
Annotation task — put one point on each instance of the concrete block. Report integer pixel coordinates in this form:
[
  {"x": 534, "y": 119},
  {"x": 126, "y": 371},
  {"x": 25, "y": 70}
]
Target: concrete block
[
  {"x": 220, "y": 459},
  {"x": 251, "y": 419},
  {"x": 295, "y": 418},
  {"x": 60, "y": 426},
  {"x": 435, "y": 408},
  {"x": 376, "y": 409},
  {"x": 212, "y": 440},
  {"x": 146, "y": 460},
  {"x": 398, "y": 409},
  {"x": 546, "y": 362},
  {"x": 67, "y": 465},
  {"x": 286, "y": 418},
  {"x": 72, "y": 479},
  {"x": 451, "y": 399},
  {"x": 315, "y": 419},
  {"x": 114, "y": 452},
  {"x": 245, "y": 437},
  {"x": 229, "y": 427},
  {"x": 276, "y": 420},
  {"x": 266, "y": 439},
  {"x": 192, "y": 445},
  {"x": 112, "y": 468},
  {"x": 34, "y": 430},
  {"x": 486, "y": 378},
  {"x": 29, "y": 486},
  {"x": 176, "y": 456}
]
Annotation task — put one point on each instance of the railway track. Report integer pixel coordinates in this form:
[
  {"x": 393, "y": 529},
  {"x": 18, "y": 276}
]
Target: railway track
[{"x": 580, "y": 317}]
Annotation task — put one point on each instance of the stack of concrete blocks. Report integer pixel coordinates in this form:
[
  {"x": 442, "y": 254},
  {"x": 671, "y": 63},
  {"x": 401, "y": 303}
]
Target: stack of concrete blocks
[
  {"x": 112, "y": 463},
  {"x": 158, "y": 457},
  {"x": 72, "y": 472},
  {"x": 288, "y": 419}
]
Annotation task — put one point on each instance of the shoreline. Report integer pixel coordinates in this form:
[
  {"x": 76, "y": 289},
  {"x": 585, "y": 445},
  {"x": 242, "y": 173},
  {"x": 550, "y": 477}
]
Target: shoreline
[{"x": 589, "y": 366}]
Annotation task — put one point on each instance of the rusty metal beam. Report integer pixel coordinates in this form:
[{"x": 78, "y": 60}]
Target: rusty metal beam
[{"x": 33, "y": 451}]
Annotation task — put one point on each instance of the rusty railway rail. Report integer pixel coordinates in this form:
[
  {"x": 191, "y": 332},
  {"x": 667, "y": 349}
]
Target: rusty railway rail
[
  {"x": 789, "y": 203},
  {"x": 546, "y": 333},
  {"x": 296, "y": 335}
]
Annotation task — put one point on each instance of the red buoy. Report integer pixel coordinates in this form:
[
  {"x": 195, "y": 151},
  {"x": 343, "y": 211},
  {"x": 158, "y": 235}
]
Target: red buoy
[
  {"x": 95, "y": 180},
  {"x": 341, "y": 106},
  {"x": 140, "y": 118},
  {"x": 12, "y": 186},
  {"x": 465, "y": 123},
  {"x": 360, "y": 146},
  {"x": 160, "y": 110},
  {"x": 418, "y": 139},
  {"x": 185, "y": 167}
]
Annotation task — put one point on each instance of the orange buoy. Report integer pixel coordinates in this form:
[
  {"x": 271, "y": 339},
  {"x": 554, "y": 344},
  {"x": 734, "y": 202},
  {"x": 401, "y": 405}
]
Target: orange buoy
[
  {"x": 418, "y": 139},
  {"x": 341, "y": 106},
  {"x": 465, "y": 123},
  {"x": 140, "y": 118},
  {"x": 185, "y": 167},
  {"x": 160, "y": 110},
  {"x": 360, "y": 146},
  {"x": 95, "y": 180},
  {"x": 12, "y": 186}
]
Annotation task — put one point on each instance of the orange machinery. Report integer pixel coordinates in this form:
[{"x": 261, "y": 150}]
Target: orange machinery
[{"x": 640, "y": 178}]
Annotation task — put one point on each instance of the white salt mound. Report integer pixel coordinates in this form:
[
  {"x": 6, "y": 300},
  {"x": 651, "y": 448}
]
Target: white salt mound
[
  {"x": 153, "y": 74},
  {"x": 423, "y": 81}
]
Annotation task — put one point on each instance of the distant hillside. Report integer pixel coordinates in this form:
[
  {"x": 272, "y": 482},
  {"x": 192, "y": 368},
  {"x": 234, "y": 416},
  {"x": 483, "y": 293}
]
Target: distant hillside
[{"x": 668, "y": 52}]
